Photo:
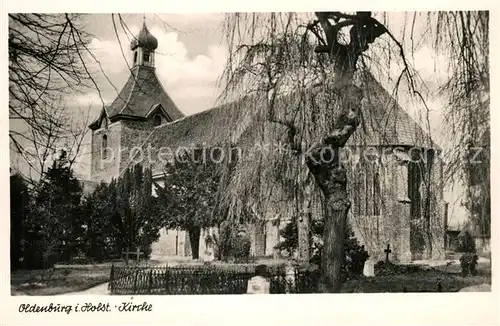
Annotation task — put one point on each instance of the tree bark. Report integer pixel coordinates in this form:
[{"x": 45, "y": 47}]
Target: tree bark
[
  {"x": 194, "y": 239},
  {"x": 331, "y": 178},
  {"x": 336, "y": 207}
]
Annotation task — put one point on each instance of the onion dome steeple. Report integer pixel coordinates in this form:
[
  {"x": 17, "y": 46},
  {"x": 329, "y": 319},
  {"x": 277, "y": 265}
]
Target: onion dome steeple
[
  {"x": 145, "y": 40},
  {"x": 144, "y": 46}
]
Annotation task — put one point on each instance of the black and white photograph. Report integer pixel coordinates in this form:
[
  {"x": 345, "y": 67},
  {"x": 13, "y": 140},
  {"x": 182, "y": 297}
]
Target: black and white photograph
[{"x": 160, "y": 154}]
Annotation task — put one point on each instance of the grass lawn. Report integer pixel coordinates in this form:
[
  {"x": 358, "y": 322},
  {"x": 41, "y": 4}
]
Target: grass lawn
[
  {"x": 422, "y": 281},
  {"x": 61, "y": 279}
]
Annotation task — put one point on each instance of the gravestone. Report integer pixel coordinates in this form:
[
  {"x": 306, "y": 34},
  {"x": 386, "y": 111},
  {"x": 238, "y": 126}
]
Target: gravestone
[
  {"x": 209, "y": 254},
  {"x": 290, "y": 277},
  {"x": 258, "y": 285},
  {"x": 369, "y": 269}
]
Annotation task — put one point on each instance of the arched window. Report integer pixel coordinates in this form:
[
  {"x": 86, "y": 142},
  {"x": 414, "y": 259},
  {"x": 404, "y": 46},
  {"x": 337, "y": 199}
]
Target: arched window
[
  {"x": 104, "y": 146},
  {"x": 157, "y": 120},
  {"x": 135, "y": 57},
  {"x": 376, "y": 194}
]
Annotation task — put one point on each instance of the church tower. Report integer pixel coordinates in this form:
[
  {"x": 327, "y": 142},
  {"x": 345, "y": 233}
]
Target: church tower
[{"x": 142, "y": 104}]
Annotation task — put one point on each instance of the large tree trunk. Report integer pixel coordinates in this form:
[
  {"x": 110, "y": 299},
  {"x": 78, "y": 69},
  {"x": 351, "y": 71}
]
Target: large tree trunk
[
  {"x": 332, "y": 181},
  {"x": 194, "y": 239},
  {"x": 336, "y": 207}
]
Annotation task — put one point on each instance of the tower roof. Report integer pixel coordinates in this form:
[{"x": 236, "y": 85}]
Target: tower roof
[
  {"x": 141, "y": 95},
  {"x": 144, "y": 40}
]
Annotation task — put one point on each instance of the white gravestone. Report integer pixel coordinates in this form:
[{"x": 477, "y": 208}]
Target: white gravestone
[
  {"x": 209, "y": 254},
  {"x": 290, "y": 277},
  {"x": 258, "y": 285},
  {"x": 369, "y": 269}
]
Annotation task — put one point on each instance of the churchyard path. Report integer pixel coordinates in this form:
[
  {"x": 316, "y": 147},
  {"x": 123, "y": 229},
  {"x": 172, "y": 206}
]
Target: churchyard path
[{"x": 102, "y": 289}]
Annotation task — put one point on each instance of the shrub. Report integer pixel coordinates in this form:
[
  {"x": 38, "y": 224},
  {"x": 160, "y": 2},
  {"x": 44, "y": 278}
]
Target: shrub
[
  {"x": 241, "y": 248},
  {"x": 466, "y": 242},
  {"x": 468, "y": 264},
  {"x": 234, "y": 244}
]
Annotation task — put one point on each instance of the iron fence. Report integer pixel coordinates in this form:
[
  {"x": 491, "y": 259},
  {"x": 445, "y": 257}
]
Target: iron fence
[{"x": 203, "y": 280}]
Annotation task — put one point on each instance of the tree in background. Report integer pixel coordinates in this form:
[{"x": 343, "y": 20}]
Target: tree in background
[
  {"x": 20, "y": 204},
  {"x": 121, "y": 216},
  {"x": 54, "y": 229},
  {"x": 136, "y": 220},
  {"x": 102, "y": 242},
  {"x": 189, "y": 198}
]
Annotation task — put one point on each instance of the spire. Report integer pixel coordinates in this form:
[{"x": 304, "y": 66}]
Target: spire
[{"x": 145, "y": 39}]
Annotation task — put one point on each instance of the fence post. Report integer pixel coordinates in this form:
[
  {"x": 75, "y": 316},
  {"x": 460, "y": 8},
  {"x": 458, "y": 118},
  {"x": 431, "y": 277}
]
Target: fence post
[
  {"x": 150, "y": 281},
  {"x": 135, "y": 281},
  {"x": 166, "y": 280}
]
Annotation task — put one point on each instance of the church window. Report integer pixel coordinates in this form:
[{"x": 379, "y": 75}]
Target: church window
[
  {"x": 157, "y": 120},
  {"x": 104, "y": 145},
  {"x": 135, "y": 57},
  {"x": 146, "y": 56},
  {"x": 376, "y": 194}
]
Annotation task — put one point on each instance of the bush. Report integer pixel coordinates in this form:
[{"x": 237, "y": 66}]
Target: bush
[
  {"x": 234, "y": 245},
  {"x": 466, "y": 242},
  {"x": 468, "y": 264},
  {"x": 241, "y": 248}
]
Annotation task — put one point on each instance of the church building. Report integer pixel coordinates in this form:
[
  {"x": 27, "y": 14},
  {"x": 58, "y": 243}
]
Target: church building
[{"x": 398, "y": 203}]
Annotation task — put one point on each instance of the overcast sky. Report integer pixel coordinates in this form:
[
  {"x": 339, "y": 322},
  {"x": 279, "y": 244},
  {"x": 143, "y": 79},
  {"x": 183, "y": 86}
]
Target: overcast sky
[{"x": 192, "y": 52}]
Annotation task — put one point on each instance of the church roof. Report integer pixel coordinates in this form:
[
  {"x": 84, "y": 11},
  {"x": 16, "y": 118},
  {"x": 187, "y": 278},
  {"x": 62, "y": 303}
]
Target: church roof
[
  {"x": 139, "y": 95},
  {"x": 385, "y": 121},
  {"x": 141, "y": 91}
]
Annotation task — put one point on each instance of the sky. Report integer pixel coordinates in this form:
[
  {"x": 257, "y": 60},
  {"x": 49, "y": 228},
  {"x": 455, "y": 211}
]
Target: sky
[{"x": 192, "y": 53}]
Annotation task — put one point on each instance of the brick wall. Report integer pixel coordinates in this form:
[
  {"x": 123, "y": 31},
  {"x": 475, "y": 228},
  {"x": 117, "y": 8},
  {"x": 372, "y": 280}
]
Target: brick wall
[
  {"x": 104, "y": 169},
  {"x": 134, "y": 134}
]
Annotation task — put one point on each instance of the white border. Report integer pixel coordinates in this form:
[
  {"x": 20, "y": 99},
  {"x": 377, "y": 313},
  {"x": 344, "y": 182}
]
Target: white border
[{"x": 457, "y": 308}]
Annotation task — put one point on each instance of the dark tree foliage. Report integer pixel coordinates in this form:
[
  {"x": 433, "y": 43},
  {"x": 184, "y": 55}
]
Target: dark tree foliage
[
  {"x": 121, "y": 215},
  {"x": 53, "y": 229},
  {"x": 19, "y": 210},
  {"x": 102, "y": 242},
  {"x": 233, "y": 244},
  {"x": 189, "y": 198},
  {"x": 466, "y": 242}
]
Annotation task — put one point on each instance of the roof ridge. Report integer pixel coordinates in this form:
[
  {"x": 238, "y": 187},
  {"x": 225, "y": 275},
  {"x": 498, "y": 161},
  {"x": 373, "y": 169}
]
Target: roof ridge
[{"x": 131, "y": 90}]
